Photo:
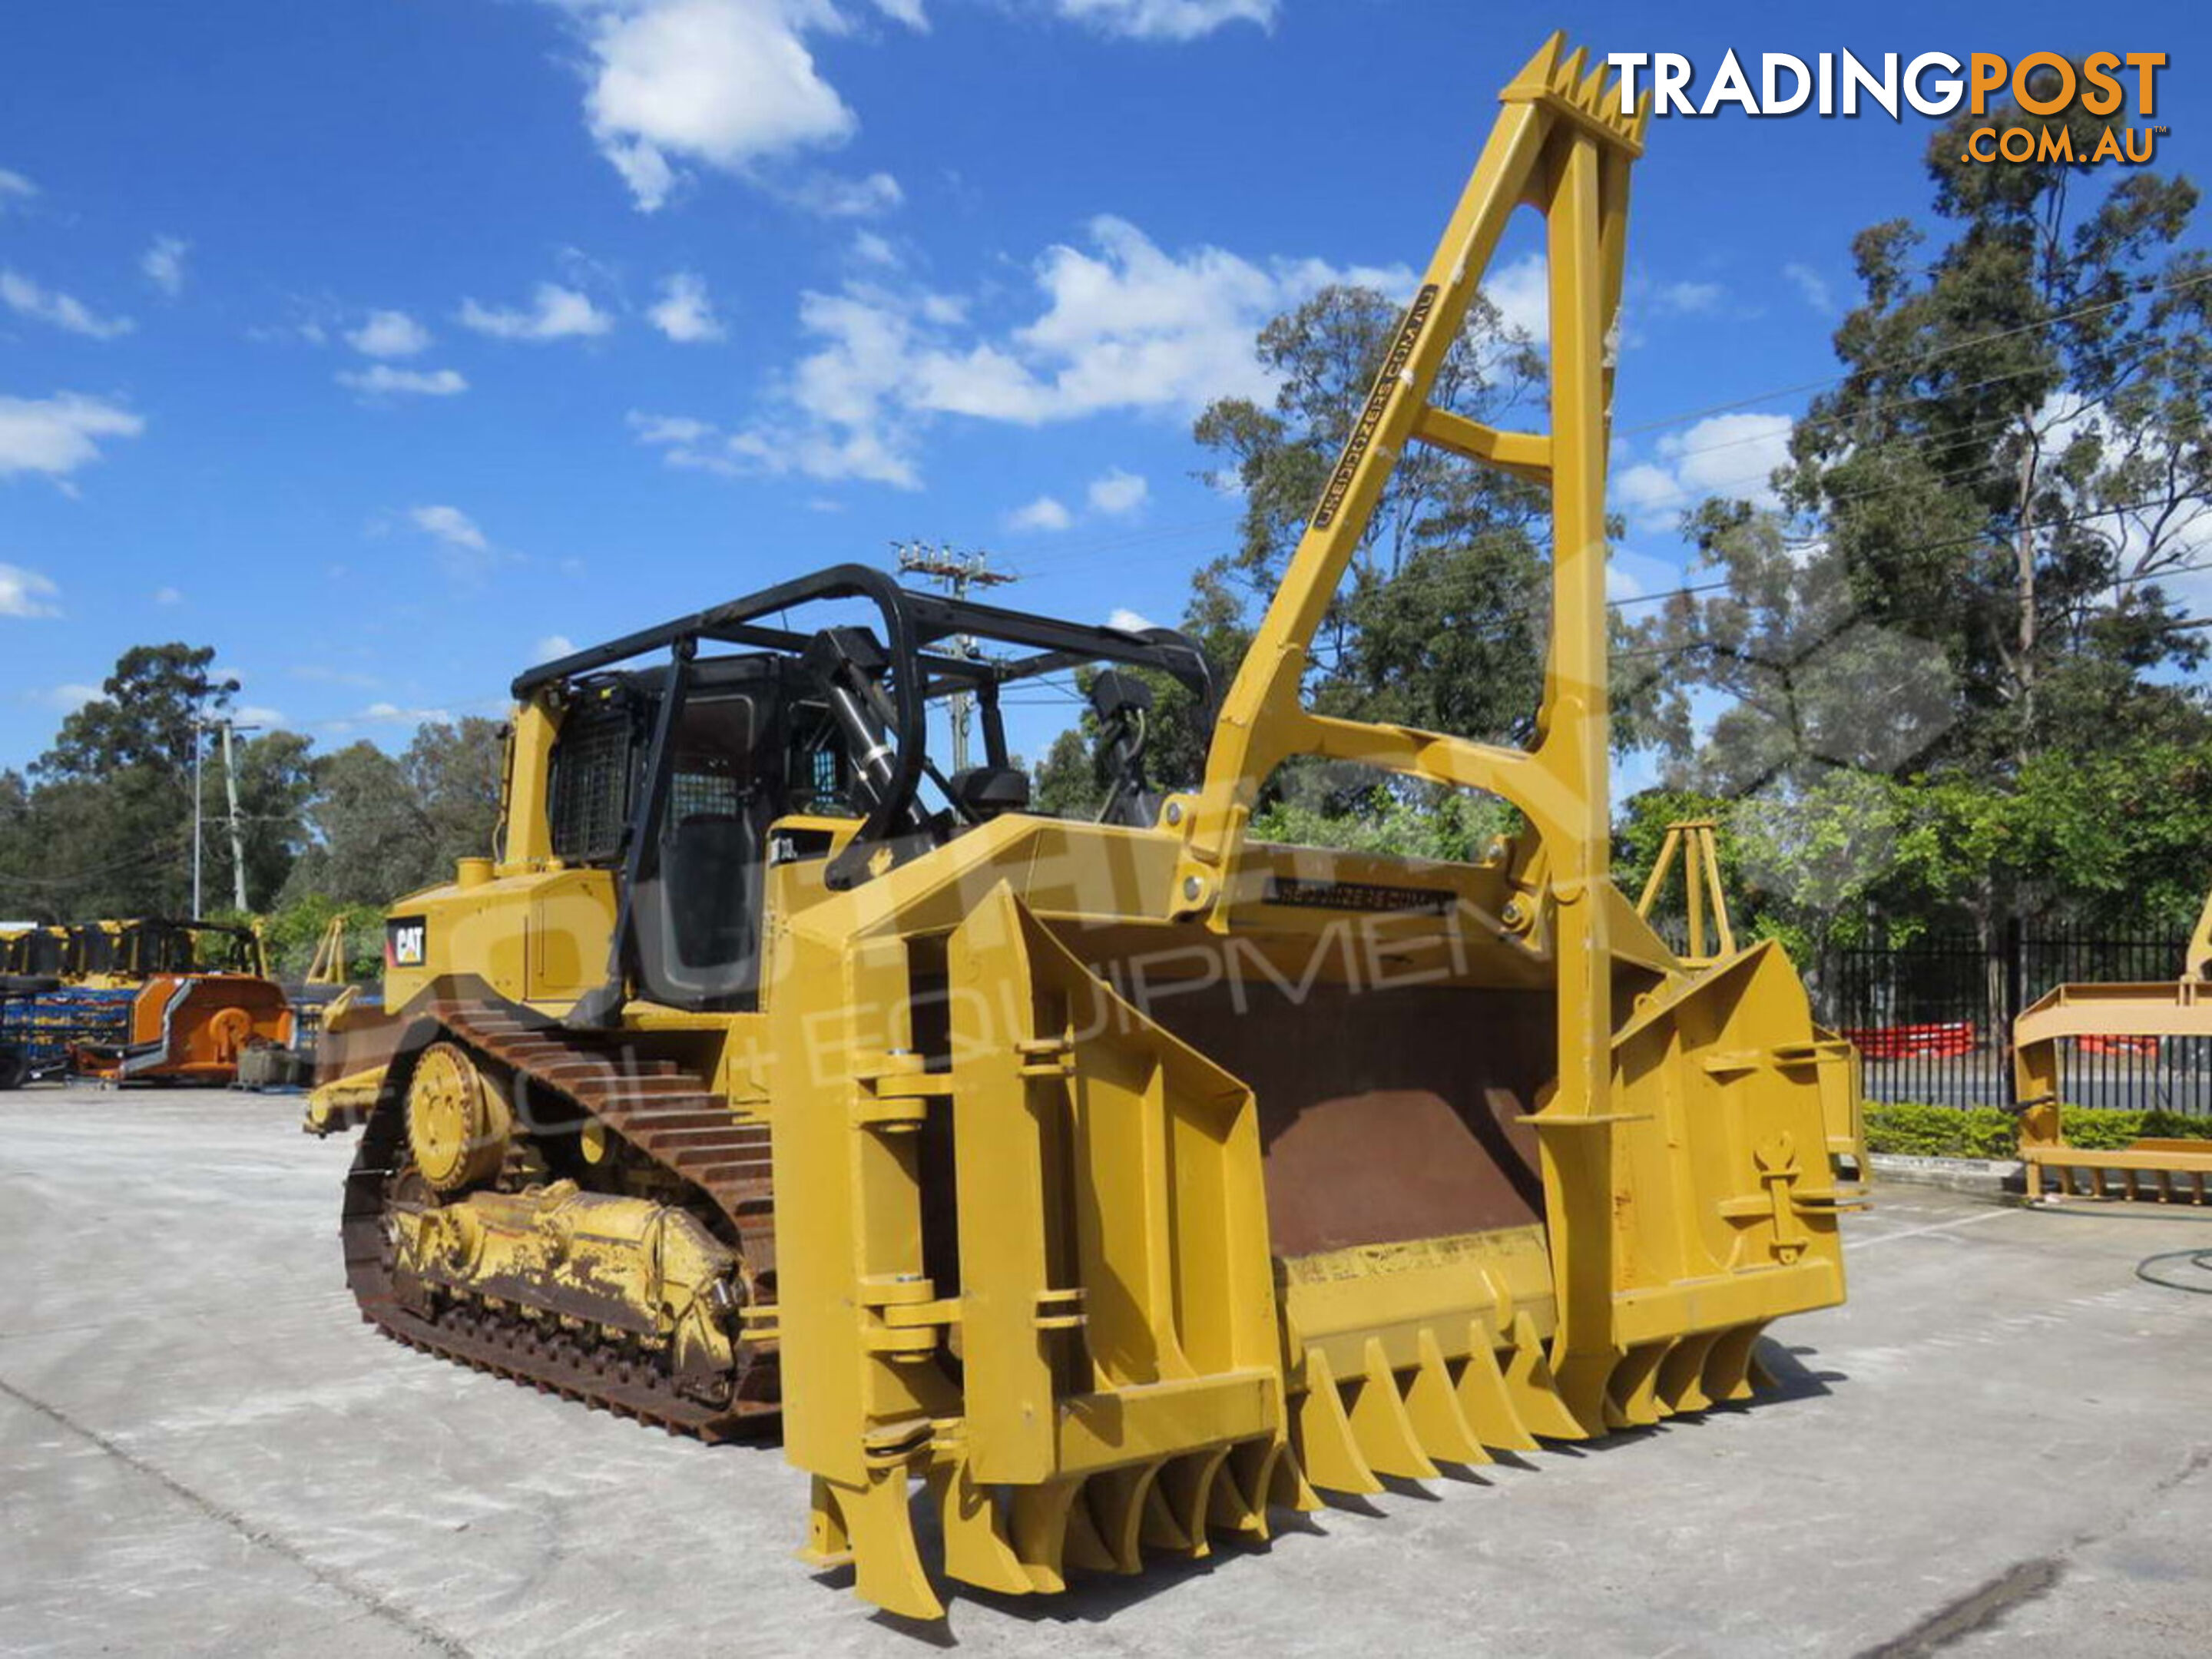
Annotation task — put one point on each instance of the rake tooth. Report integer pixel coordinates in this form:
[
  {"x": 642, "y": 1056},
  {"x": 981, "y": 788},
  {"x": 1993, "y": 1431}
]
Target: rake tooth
[
  {"x": 1380, "y": 1423},
  {"x": 1728, "y": 1372},
  {"x": 1117, "y": 1508},
  {"x": 1227, "y": 1505},
  {"x": 1327, "y": 1446},
  {"x": 1185, "y": 1489},
  {"x": 1681, "y": 1373},
  {"x": 1641, "y": 120},
  {"x": 1267, "y": 1475},
  {"x": 887, "y": 1567},
  {"x": 1040, "y": 1527},
  {"x": 1535, "y": 1391},
  {"x": 1591, "y": 94},
  {"x": 1484, "y": 1398},
  {"x": 976, "y": 1549},
  {"x": 1288, "y": 1486},
  {"x": 1536, "y": 73},
  {"x": 1157, "y": 1526},
  {"x": 1633, "y": 1388},
  {"x": 1432, "y": 1407},
  {"x": 1083, "y": 1547},
  {"x": 1569, "y": 77},
  {"x": 827, "y": 1544}
]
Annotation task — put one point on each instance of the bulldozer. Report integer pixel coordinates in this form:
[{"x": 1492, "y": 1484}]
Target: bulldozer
[
  {"x": 185, "y": 1000},
  {"x": 1110, "y": 1187}
]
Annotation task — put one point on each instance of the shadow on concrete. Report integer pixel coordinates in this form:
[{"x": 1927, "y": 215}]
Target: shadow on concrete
[{"x": 1095, "y": 1598}]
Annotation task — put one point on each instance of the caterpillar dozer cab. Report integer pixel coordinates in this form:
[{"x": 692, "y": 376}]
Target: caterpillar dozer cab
[{"x": 1110, "y": 1186}]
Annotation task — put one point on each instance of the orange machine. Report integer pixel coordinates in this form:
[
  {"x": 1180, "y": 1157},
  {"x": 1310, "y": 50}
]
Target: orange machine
[{"x": 192, "y": 1018}]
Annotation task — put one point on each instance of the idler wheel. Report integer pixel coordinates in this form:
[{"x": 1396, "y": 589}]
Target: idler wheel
[{"x": 458, "y": 1119}]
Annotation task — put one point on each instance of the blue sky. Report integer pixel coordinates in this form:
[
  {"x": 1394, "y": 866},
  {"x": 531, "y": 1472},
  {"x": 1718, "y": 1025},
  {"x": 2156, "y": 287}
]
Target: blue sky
[{"x": 382, "y": 343}]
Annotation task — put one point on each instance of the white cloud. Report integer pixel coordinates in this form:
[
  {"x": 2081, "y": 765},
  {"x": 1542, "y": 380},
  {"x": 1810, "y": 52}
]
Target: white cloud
[
  {"x": 58, "y": 435},
  {"x": 1116, "y": 492},
  {"x": 1684, "y": 299},
  {"x": 834, "y": 196},
  {"x": 686, "y": 314},
  {"x": 1165, "y": 20},
  {"x": 1042, "y": 513},
  {"x": 1731, "y": 455},
  {"x": 255, "y": 713},
  {"x": 1119, "y": 325},
  {"x": 1522, "y": 292},
  {"x": 556, "y": 313},
  {"x": 1812, "y": 286},
  {"x": 464, "y": 552},
  {"x": 27, "y": 593},
  {"x": 385, "y": 713},
  {"x": 67, "y": 699},
  {"x": 450, "y": 526},
  {"x": 1128, "y": 620},
  {"x": 168, "y": 596},
  {"x": 552, "y": 647},
  {"x": 389, "y": 334},
  {"x": 726, "y": 83},
  {"x": 163, "y": 264},
  {"x": 869, "y": 249},
  {"x": 15, "y": 187},
  {"x": 26, "y": 299},
  {"x": 382, "y": 380},
  {"x": 668, "y": 428}
]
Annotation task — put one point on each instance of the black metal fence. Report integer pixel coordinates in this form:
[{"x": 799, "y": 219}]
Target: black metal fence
[{"x": 1933, "y": 1018}]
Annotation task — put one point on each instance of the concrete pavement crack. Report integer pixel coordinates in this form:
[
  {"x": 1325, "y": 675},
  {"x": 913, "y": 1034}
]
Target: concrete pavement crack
[
  {"x": 2024, "y": 1581},
  {"x": 343, "y": 1584}
]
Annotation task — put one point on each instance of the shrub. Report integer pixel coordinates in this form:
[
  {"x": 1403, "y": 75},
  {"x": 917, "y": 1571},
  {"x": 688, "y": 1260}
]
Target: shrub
[{"x": 1915, "y": 1130}]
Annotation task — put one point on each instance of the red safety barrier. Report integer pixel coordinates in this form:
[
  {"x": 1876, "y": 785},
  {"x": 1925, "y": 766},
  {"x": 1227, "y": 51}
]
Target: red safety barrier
[
  {"x": 2144, "y": 1048},
  {"x": 1944, "y": 1041}
]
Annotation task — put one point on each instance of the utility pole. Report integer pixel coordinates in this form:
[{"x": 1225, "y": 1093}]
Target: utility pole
[
  {"x": 956, "y": 573},
  {"x": 237, "y": 829},
  {"x": 201, "y": 724},
  {"x": 199, "y": 743}
]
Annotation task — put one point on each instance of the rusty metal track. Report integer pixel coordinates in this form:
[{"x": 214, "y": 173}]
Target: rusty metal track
[{"x": 661, "y": 1111}]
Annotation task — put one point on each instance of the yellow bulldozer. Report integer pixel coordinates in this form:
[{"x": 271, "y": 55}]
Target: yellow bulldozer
[{"x": 1115, "y": 1184}]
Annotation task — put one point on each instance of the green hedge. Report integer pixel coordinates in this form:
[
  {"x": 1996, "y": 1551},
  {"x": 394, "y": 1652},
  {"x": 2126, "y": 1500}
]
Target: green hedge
[{"x": 1918, "y": 1131}]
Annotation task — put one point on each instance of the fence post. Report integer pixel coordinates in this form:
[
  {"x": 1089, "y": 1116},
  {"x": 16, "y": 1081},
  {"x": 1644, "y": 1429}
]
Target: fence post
[{"x": 2014, "y": 999}]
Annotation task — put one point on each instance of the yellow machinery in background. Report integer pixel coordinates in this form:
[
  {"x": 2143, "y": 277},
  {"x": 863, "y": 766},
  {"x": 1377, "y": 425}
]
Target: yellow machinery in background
[
  {"x": 2141, "y": 1014},
  {"x": 1116, "y": 1184},
  {"x": 193, "y": 999}
]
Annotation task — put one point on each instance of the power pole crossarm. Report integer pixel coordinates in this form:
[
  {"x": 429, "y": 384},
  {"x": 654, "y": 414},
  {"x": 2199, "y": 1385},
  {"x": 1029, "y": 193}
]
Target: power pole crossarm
[{"x": 956, "y": 573}]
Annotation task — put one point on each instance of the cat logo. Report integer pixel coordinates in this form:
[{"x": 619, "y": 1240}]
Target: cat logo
[{"x": 406, "y": 942}]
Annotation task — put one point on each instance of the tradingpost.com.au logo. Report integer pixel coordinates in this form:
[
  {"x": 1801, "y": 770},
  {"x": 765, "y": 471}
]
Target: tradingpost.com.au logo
[{"x": 2044, "y": 86}]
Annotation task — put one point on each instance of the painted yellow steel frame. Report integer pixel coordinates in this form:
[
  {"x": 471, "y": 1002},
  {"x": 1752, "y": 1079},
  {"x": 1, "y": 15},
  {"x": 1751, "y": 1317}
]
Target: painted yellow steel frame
[
  {"x": 1024, "y": 1246},
  {"x": 1563, "y": 146}
]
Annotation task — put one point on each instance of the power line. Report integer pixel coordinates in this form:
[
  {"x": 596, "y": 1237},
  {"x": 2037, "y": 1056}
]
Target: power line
[{"x": 2143, "y": 285}]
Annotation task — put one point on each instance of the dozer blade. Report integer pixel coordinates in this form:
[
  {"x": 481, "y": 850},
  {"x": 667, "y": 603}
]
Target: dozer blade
[{"x": 1132, "y": 1178}]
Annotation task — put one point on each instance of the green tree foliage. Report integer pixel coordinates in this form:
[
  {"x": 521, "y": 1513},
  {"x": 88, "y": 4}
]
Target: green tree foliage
[
  {"x": 380, "y": 826},
  {"x": 101, "y": 824},
  {"x": 1948, "y": 681},
  {"x": 1981, "y": 518},
  {"x": 1440, "y": 621}
]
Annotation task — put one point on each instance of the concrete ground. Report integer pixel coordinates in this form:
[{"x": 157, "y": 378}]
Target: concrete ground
[{"x": 2002, "y": 1439}]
